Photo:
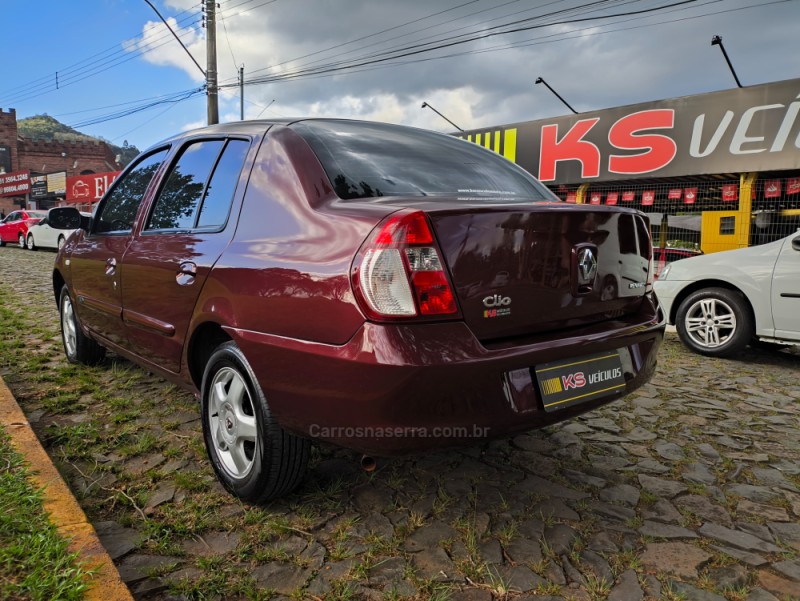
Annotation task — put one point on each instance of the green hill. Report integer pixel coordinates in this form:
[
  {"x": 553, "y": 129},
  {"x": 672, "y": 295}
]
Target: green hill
[{"x": 45, "y": 127}]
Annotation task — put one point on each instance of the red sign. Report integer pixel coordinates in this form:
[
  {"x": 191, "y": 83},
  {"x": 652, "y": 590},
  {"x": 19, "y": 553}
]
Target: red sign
[
  {"x": 730, "y": 192},
  {"x": 89, "y": 188},
  {"x": 648, "y": 197},
  {"x": 571, "y": 197},
  {"x": 793, "y": 185},
  {"x": 772, "y": 188},
  {"x": 628, "y": 196},
  {"x": 595, "y": 198},
  {"x": 675, "y": 194},
  {"x": 690, "y": 196},
  {"x": 16, "y": 183},
  {"x": 611, "y": 198}
]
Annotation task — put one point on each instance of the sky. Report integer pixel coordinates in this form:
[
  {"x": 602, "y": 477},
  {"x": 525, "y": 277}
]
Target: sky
[{"x": 111, "y": 68}]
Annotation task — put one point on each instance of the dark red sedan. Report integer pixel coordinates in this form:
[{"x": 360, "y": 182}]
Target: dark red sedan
[
  {"x": 384, "y": 288},
  {"x": 14, "y": 228}
]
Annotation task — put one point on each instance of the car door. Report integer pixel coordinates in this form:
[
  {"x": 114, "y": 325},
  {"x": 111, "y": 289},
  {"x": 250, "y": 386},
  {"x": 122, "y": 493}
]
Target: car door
[
  {"x": 786, "y": 290},
  {"x": 183, "y": 235},
  {"x": 8, "y": 230},
  {"x": 95, "y": 258},
  {"x": 49, "y": 235},
  {"x": 42, "y": 234}
]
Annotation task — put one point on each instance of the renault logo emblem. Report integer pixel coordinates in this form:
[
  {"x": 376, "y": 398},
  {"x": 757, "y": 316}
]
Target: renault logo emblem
[{"x": 587, "y": 266}]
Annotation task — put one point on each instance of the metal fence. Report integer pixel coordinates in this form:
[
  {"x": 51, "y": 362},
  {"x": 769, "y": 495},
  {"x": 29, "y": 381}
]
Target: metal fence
[{"x": 676, "y": 208}]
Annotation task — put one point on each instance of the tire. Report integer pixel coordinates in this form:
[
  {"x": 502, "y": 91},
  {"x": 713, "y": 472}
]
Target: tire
[
  {"x": 31, "y": 245},
  {"x": 78, "y": 347},
  {"x": 253, "y": 457},
  {"x": 61, "y": 242},
  {"x": 715, "y": 322},
  {"x": 21, "y": 240}
]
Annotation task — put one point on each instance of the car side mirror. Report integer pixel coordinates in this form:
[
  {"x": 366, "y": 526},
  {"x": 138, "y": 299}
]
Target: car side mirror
[
  {"x": 67, "y": 218},
  {"x": 796, "y": 243}
]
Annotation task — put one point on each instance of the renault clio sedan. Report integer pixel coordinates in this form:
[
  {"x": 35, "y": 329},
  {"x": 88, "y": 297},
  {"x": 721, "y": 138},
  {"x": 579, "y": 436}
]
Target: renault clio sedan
[{"x": 387, "y": 289}]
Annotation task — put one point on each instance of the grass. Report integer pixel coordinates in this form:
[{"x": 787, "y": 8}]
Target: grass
[{"x": 34, "y": 560}]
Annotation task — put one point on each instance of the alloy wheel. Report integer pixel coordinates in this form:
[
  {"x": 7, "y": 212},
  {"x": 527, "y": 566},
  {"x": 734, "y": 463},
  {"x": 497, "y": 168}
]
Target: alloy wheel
[
  {"x": 710, "y": 322},
  {"x": 68, "y": 327},
  {"x": 232, "y": 422}
]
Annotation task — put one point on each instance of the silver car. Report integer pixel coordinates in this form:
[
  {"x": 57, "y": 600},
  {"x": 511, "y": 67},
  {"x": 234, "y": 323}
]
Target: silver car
[
  {"x": 721, "y": 302},
  {"x": 42, "y": 235}
]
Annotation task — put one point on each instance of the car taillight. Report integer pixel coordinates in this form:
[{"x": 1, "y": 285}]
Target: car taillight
[{"x": 399, "y": 270}]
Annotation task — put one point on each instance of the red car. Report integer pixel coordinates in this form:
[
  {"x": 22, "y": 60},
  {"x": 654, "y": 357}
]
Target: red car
[
  {"x": 384, "y": 288},
  {"x": 664, "y": 256},
  {"x": 14, "y": 228}
]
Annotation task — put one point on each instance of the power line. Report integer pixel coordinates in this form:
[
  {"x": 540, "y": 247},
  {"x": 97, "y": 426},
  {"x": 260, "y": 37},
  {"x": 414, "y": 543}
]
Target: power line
[
  {"x": 415, "y": 50},
  {"x": 561, "y": 36}
]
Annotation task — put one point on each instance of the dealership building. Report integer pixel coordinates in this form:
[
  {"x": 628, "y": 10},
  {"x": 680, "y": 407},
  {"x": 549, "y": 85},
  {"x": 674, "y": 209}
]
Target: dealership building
[{"x": 714, "y": 171}]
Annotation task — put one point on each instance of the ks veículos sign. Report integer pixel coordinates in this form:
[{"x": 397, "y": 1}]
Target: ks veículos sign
[{"x": 744, "y": 129}]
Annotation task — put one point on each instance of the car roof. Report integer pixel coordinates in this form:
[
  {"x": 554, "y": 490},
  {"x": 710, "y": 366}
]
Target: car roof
[{"x": 259, "y": 126}]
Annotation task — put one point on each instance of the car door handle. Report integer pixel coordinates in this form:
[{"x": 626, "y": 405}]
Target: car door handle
[
  {"x": 186, "y": 273},
  {"x": 111, "y": 266}
]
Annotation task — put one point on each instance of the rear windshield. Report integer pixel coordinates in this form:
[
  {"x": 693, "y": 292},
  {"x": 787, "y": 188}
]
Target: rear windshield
[{"x": 367, "y": 160}]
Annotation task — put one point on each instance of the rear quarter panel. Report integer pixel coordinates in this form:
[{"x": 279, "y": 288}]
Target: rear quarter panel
[{"x": 286, "y": 271}]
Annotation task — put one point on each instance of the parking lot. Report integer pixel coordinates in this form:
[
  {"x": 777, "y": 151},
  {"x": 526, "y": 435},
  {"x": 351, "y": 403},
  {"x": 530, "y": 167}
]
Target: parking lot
[{"x": 689, "y": 488}]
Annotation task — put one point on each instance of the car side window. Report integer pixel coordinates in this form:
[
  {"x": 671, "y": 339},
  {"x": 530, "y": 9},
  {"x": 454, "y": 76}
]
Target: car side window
[
  {"x": 219, "y": 194},
  {"x": 119, "y": 208},
  {"x": 199, "y": 189},
  {"x": 178, "y": 202}
]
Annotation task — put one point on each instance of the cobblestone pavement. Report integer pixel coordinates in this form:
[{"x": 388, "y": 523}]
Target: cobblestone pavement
[{"x": 687, "y": 489}]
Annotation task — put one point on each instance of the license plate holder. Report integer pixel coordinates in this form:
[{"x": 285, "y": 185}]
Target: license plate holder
[{"x": 577, "y": 380}]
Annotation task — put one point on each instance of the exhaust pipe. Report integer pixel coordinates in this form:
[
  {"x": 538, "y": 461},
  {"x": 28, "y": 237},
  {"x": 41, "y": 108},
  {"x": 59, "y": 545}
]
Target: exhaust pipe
[{"x": 368, "y": 464}]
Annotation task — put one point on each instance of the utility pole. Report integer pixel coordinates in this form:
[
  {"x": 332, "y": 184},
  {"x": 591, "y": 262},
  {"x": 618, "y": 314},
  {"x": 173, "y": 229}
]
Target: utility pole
[
  {"x": 241, "y": 93},
  {"x": 211, "y": 56}
]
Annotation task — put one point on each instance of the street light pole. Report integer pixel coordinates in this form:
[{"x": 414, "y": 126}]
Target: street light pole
[
  {"x": 241, "y": 93},
  {"x": 425, "y": 104},
  {"x": 717, "y": 41},
  {"x": 541, "y": 80},
  {"x": 211, "y": 61}
]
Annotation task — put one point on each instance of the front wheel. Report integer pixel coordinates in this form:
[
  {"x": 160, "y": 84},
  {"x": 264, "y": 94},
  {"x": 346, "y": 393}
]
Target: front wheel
[
  {"x": 715, "y": 322},
  {"x": 253, "y": 457},
  {"x": 78, "y": 347},
  {"x": 31, "y": 244},
  {"x": 21, "y": 240},
  {"x": 61, "y": 241}
]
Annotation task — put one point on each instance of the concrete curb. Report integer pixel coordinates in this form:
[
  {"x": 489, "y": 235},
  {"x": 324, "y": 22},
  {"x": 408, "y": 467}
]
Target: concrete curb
[{"x": 65, "y": 512}]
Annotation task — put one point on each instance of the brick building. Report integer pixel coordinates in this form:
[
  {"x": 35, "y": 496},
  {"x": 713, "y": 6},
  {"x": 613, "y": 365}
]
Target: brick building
[{"x": 42, "y": 157}]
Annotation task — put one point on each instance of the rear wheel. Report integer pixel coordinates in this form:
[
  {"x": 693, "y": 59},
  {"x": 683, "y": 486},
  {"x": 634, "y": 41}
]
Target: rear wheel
[
  {"x": 21, "y": 240},
  {"x": 78, "y": 347},
  {"x": 715, "y": 322},
  {"x": 31, "y": 244},
  {"x": 253, "y": 457}
]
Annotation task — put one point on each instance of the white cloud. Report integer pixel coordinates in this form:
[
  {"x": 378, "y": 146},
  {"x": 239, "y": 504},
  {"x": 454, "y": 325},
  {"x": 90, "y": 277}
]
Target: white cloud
[{"x": 481, "y": 86}]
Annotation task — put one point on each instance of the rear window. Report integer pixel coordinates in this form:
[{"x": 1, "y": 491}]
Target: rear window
[{"x": 369, "y": 160}]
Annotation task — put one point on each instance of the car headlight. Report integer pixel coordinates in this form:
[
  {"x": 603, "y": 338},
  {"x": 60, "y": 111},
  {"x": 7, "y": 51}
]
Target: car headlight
[{"x": 664, "y": 273}]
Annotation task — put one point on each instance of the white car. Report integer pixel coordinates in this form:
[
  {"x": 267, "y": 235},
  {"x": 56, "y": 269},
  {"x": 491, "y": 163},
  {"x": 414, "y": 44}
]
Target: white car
[
  {"x": 723, "y": 301},
  {"x": 42, "y": 235}
]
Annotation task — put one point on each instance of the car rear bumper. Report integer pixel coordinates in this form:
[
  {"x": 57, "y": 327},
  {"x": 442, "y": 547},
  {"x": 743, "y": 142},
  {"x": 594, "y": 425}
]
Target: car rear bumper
[{"x": 396, "y": 389}]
